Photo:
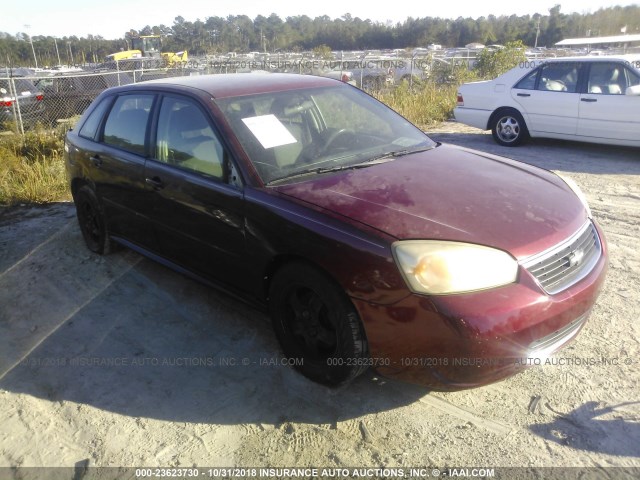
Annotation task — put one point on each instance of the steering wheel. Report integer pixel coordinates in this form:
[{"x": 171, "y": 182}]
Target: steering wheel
[
  {"x": 328, "y": 143},
  {"x": 313, "y": 151}
]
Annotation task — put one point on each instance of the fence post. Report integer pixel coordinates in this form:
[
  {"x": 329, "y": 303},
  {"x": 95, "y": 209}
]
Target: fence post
[
  {"x": 118, "y": 70},
  {"x": 13, "y": 91}
]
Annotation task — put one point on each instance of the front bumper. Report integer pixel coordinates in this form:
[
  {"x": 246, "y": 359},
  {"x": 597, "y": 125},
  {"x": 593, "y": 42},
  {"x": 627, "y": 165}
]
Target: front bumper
[{"x": 462, "y": 341}]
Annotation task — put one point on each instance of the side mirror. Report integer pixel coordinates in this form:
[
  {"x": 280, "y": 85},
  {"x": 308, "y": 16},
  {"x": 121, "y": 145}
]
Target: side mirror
[{"x": 635, "y": 90}]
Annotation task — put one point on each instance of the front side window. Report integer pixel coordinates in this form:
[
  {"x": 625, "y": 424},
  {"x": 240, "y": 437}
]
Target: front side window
[
  {"x": 126, "y": 125},
  {"x": 185, "y": 138},
  {"x": 608, "y": 78},
  {"x": 559, "y": 77}
]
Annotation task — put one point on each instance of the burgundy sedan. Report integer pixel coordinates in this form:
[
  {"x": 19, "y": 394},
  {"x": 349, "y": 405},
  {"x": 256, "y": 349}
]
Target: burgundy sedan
[{"x": 369, "y": 244}]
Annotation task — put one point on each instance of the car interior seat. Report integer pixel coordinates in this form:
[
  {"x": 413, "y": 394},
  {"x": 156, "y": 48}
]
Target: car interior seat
[
  {"x": 607, "y": 82},
  {"x": 289, "y": 113},
  {"x": 262, "y": 158}
]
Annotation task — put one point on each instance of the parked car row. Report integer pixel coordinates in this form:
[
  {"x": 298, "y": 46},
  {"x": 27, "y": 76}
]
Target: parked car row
[
  {"x": 66, "y": 96},
  {"x": 20, "y": 101},
  {"x": 364, "y": 74},
  {"x": 588, "y": 99},
  {"x": 48, "y": 100}
]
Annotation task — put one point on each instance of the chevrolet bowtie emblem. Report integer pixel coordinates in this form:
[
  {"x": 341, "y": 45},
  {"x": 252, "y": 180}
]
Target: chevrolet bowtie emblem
[{"x": 575, "y": 258}]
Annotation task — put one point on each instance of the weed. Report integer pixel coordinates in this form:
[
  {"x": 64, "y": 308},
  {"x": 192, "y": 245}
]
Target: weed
[{"x": 32, "y": 168}]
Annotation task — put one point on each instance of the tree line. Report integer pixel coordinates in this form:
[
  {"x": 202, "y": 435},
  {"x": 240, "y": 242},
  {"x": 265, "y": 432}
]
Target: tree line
[{"x": 240, "y": 33}]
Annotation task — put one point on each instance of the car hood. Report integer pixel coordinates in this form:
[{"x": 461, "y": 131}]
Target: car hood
[{"x": 451, "y": 193}]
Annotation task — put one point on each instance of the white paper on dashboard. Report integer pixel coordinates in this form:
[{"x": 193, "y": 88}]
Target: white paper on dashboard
[{"x": 269, "y": 131}]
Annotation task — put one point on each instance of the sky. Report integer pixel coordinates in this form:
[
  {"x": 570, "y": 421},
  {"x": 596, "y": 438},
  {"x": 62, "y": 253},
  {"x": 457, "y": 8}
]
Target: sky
[{"x": 112, "y": 18}]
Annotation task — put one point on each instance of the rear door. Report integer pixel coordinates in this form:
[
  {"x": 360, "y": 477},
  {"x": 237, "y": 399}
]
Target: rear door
[
  {"x": 116, "y": 166},
  {"x": 605, "y": 111},
  {"x": 198, "y": 208},
  {"x": 549, "y": 98}
]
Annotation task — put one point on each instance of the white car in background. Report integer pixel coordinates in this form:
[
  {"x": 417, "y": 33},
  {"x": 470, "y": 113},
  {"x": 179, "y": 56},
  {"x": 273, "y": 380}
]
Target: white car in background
[{"x": 588, "y": 99}]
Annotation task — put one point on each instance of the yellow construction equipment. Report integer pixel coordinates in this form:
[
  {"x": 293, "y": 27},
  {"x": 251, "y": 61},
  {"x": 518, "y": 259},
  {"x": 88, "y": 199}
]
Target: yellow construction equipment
[{"x": 149, "y": 46}]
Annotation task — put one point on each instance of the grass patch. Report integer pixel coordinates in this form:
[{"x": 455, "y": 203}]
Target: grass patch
[
  {"x": 424, "y": 104},
  {"x": 32, "y": 168}
]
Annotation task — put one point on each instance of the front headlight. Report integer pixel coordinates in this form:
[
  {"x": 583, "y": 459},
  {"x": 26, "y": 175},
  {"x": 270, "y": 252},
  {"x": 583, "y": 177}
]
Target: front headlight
[
  {"x": 576, "y": 189},
  {"x": 439, "y": 267}
]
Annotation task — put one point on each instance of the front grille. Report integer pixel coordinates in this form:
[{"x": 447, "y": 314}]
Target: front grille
[{"x": 567, "y": 263}]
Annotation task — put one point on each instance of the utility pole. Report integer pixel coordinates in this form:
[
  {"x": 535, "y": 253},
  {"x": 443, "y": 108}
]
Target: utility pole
[
  {"x": 32, "y": 49},
  {"x": 55, "y": 41},
  {"x": 537, "y": 34},
  {"x": 70, "y": 53}
]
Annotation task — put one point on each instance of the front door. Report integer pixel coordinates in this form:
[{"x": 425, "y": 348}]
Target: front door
[{"x": 198, "y": 214}]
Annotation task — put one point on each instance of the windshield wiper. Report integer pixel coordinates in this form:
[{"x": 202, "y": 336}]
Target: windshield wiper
[
  {"x": 384, "y": 158},
  {"x": 313, "y": 171},
  {"x": 403, "y": 152},
  {"x": 338, "y": 168},
  {"x": 365, "y": 164}
]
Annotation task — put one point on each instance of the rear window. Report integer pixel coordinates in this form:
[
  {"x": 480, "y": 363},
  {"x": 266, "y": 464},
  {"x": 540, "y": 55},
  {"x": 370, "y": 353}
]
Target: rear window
[
  {"x": 22, "y": 86},
  {"x": 93, "y": 82}
]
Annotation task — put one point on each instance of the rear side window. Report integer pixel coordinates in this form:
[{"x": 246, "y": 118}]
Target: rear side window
[
  {"x": 528, "y": 82},
  {"x": 126, "y": 125},
  {"x": 91, "y": 125}
]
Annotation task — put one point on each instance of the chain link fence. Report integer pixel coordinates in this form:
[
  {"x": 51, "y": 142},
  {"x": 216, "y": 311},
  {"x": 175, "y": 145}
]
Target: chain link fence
[
  {"x": 58, "y": 99},
  {"x": 54, "y": 100}
]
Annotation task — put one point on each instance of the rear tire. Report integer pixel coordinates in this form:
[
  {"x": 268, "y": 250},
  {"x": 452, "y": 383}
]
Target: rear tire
[
  {"x": 508, "y": 128},
  {"x": 92, "y": 221},
  {"x": 317, "y": 325}
]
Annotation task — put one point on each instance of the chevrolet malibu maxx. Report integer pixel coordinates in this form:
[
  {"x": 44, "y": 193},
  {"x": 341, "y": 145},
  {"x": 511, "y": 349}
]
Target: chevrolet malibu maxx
[{"x": 370, "y": 245}]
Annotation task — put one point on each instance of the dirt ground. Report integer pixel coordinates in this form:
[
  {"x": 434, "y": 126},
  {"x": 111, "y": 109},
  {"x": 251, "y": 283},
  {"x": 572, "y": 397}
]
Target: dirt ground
[{"x": 119, "y": 361}]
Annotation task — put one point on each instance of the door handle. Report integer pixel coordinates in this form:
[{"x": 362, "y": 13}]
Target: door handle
[
  {"x": 590, "y": 100},
  {"x": 96, "y": 160},
  {"x": 523, "y": 94},
  {"x": 155, "y": 183}
]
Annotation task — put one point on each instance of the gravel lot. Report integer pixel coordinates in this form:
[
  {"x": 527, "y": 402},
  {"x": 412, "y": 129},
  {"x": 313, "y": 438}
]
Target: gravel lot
[{"x": 121, "y": 362}]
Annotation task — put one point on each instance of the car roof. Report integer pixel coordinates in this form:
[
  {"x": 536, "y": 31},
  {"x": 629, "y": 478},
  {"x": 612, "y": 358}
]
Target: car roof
[
  {"x": 239, "y": 84},
  {"x": 523, "y": 68},
  {"x": 599, "y": 58}
]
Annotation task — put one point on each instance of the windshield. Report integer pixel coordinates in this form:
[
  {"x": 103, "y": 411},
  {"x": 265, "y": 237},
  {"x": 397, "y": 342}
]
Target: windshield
[
  {"x": 288, "y": 134},
  {"x": 146, "y": 44}
]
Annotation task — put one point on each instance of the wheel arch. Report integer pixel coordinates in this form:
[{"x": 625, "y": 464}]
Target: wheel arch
[
  {"x": 281, "y": 260},
  {"x": 499, "y": 110},
  {"x": 347, "y": 329},
  {"x": 76, "y": 184}
]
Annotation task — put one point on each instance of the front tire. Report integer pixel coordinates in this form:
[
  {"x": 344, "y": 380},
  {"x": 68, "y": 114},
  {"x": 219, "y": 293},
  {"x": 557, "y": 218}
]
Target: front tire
[
  {"x": 317, "y": 325},
  {"x": 508, "y": 128},
  {"x": 92, "y": 221}
]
